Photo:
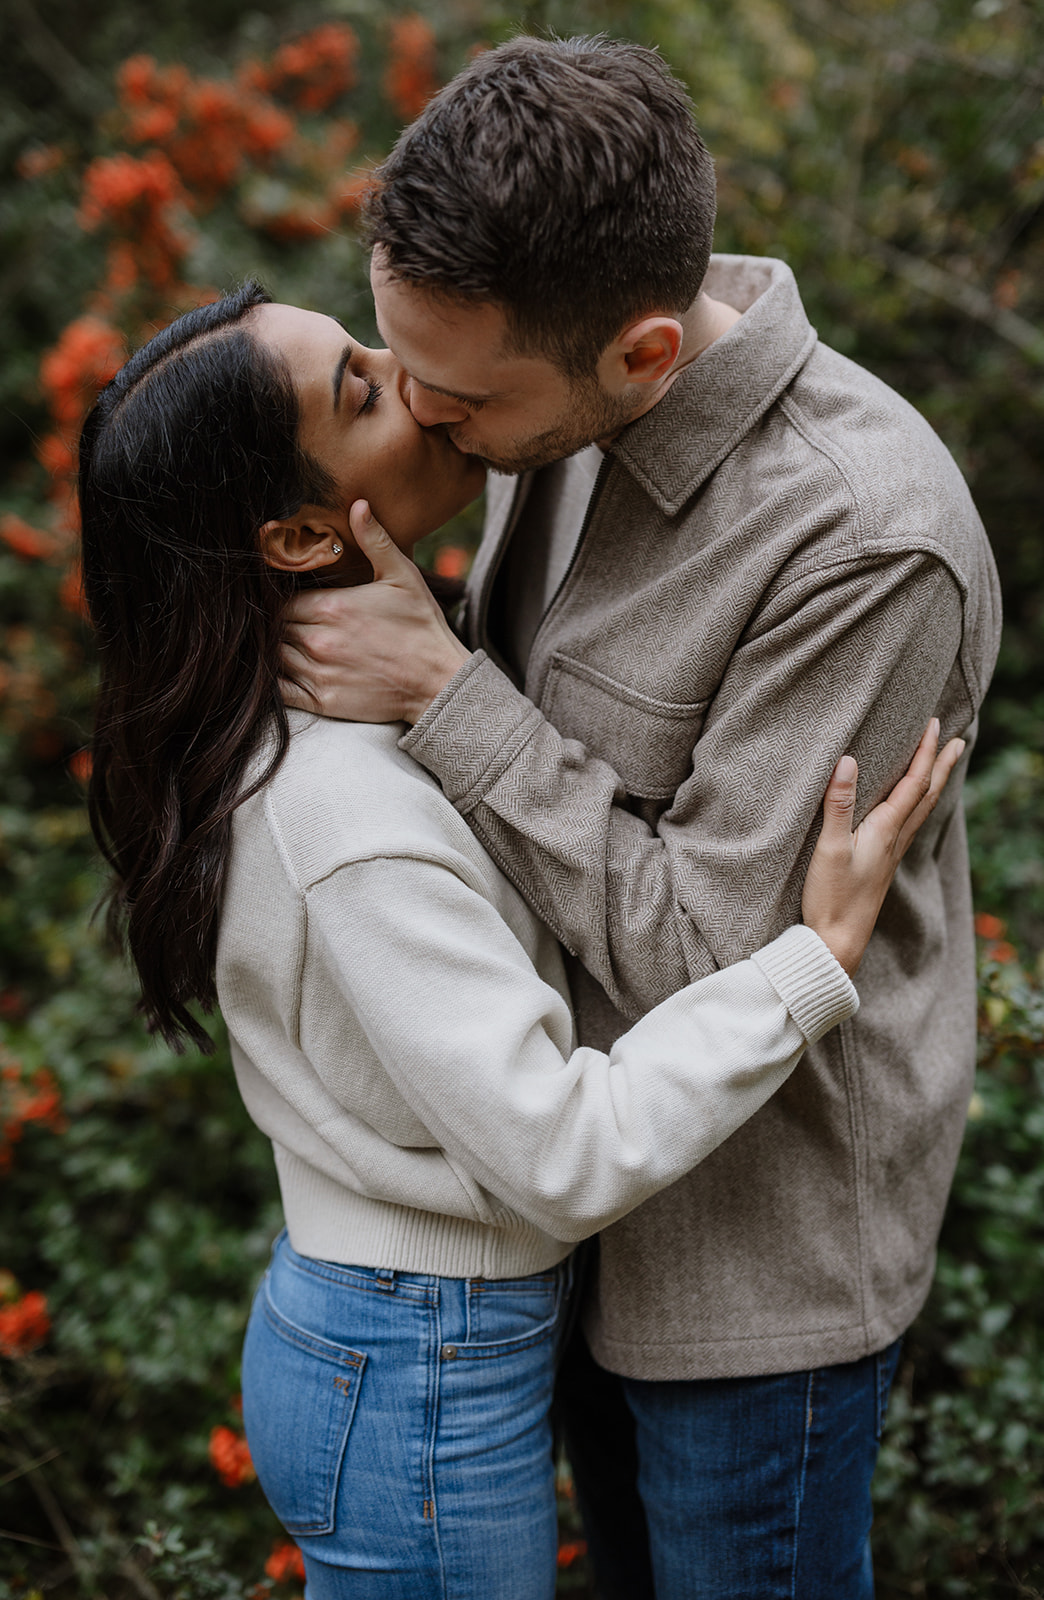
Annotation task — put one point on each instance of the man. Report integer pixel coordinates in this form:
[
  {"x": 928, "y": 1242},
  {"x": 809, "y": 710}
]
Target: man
[{"x": 731, "y": 555}]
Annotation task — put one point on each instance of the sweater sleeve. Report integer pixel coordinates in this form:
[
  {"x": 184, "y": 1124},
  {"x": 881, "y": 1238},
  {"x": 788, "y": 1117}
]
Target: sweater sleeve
[
  {"x": 480, "y": 1047},
  {"x": 854, "y": 657}
]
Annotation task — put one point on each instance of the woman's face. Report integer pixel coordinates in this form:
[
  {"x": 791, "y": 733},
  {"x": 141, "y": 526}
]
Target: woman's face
[{"x": 355, "y": 421}]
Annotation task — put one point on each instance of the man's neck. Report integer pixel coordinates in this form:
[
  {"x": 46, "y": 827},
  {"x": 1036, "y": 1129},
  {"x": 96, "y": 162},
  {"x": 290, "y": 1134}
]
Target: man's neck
[{"x": 704, "y": 322}]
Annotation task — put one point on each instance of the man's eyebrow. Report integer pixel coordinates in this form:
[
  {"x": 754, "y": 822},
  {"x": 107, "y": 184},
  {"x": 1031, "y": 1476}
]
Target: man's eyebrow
[{"x": 339, "y": 372}]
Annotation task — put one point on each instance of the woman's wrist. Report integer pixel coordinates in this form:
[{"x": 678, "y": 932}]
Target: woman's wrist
[{"x": 846, "y": 945}]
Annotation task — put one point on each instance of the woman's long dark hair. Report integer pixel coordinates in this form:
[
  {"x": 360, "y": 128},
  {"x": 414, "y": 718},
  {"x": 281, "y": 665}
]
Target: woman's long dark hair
[{"x": 190, "y": 449}]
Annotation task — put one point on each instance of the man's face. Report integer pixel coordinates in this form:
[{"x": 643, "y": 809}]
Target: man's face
[{"x": 516, "y": 412}]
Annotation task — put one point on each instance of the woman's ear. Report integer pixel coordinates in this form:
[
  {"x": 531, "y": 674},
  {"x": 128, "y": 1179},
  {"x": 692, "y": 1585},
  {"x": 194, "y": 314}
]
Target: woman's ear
[{"x": 312, "y": 538}]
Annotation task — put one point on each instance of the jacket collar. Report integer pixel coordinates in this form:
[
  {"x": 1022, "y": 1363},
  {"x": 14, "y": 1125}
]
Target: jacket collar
[{"x": 714, "y": 401}]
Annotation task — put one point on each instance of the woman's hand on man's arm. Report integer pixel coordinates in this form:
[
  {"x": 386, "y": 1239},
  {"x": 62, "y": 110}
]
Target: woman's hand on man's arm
[{"x": 850, "y": 873}]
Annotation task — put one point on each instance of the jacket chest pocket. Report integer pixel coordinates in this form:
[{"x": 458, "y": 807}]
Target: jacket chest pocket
[{"x": 648, "y": 742}]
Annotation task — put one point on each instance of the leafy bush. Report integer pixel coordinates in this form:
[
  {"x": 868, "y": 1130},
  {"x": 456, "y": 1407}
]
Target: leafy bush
[
  {"x": 1005, "y": 804},
  {"x": 895, "y": 156},
  {"x": 960, "y": 1502}
]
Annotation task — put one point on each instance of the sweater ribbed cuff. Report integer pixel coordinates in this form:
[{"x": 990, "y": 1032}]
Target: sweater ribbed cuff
[
  {"x": 472, "y": 731},
  {"x": 815, "y": 988}
]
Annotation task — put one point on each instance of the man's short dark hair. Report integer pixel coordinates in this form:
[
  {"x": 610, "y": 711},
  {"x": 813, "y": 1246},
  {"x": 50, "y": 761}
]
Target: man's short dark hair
[{"x": 563, "y": 179}]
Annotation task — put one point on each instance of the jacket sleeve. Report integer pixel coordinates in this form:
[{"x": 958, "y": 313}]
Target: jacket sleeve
[
  {"x": 852, "y": 657},
  {"x": 480, "y": 1047}
]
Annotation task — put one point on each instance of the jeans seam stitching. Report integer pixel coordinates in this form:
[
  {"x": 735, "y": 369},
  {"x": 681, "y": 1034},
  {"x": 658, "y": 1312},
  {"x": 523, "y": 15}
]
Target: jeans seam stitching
[
  {"x": 434, "y": 1404},
  {"x": 806, "y": 1446},
  {"x": 317, "y": 1349},
  {"x": 507, "y": 1347},
  {"x": 321, "y": 1349}
]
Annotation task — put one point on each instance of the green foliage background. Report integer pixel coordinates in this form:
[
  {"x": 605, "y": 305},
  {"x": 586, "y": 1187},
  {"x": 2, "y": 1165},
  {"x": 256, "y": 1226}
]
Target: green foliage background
[{"x": 894, "y": 155}]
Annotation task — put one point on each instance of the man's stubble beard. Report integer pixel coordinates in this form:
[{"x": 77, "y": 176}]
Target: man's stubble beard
[{"x": 593, "y": 417}]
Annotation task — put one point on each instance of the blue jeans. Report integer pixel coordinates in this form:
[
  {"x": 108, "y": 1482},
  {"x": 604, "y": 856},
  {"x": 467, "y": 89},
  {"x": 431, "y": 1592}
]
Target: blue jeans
[
  {"x": 747, "y": 1488},
  {"x": 399, "y": 1425}
]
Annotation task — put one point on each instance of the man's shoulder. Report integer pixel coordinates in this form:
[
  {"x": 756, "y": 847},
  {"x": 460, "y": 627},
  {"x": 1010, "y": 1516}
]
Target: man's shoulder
[
  {"x": 771, "y": 423},
  {"x": 844, "y": 409},
  {"x": 768, "y": 398},
  {"x": 905, "y": 490}
]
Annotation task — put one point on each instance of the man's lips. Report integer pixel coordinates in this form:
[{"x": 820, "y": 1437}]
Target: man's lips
[{"x": 469, "y": 455}]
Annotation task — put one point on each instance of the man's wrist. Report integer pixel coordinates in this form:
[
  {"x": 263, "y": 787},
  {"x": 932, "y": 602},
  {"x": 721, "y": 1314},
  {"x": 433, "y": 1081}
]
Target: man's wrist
[{"x": 440, "y": 672}]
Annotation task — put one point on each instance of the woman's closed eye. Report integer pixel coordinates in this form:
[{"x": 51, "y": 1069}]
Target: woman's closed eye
[{"x": 374, "y": 390}]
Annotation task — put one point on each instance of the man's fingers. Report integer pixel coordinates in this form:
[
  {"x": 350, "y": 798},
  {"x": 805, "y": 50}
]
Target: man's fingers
[
  {"x": 297, "y": 695},
  {"x": 379, "y": 548},
  {"x": 295, "y": 680},
  {"x": 295, "y": 635},
  {"x": 296, "y": 660},
  {"x": 299, "y": 612}
]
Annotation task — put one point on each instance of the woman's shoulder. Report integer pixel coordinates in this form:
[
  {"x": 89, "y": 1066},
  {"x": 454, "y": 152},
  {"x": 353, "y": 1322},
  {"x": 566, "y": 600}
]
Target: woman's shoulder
[{"x": 345, "y": 791}]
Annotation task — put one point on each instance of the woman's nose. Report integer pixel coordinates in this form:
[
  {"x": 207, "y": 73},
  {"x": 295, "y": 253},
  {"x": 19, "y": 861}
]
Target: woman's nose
[{"x": 430, "y": 409}]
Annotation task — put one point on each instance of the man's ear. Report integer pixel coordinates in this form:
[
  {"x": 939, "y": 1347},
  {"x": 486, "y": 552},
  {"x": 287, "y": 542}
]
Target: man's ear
[
  {"x": 644, "y": 352},
  {"x": 313, "y": 537}
]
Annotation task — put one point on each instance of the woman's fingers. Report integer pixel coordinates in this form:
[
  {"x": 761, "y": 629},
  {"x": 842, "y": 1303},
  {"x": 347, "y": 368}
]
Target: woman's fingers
[
  {"x": 942, "y": 766},
  {"x": 850, "y": 873},
  {"x": 895, "y": 822},
  {"x": 897, "y": 808}
]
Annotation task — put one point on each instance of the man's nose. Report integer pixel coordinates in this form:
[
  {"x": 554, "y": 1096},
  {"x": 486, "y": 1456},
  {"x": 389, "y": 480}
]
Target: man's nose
[{"x": 430, "y": 409}]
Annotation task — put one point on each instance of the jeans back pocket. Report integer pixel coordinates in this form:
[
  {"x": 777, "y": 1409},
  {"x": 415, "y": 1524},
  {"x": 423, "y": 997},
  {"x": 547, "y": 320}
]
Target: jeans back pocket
[{"x": 299, "y": 1397}]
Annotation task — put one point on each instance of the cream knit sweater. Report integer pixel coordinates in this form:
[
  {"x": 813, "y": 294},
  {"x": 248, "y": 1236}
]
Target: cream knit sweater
[{"x": 401, "y": 1030}]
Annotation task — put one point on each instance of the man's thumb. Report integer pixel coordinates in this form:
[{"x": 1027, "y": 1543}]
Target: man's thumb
[{"x": 376, "y": 544}]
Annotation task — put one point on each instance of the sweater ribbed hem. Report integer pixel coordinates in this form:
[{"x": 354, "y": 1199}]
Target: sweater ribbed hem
[
  {"x": 331, "y": 1223},
  {"x": 815, "y": 988}
]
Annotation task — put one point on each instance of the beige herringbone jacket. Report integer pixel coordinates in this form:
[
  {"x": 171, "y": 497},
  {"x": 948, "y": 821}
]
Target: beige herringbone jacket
[{"x": 781, "y": 563}]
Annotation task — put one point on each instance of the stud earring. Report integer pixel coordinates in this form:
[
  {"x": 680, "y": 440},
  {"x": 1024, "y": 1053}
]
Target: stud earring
[{"x": 336, "y": 549}]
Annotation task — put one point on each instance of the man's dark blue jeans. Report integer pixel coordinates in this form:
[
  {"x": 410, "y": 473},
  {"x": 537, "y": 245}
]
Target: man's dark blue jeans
[{"x": 750, "y": 1488}]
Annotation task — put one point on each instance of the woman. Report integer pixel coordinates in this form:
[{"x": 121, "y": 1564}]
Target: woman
[{"x": 399, "y": 1019}]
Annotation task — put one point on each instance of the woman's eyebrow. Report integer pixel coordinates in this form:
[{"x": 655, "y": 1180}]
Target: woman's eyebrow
[{"x": 339, "y": 371}]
